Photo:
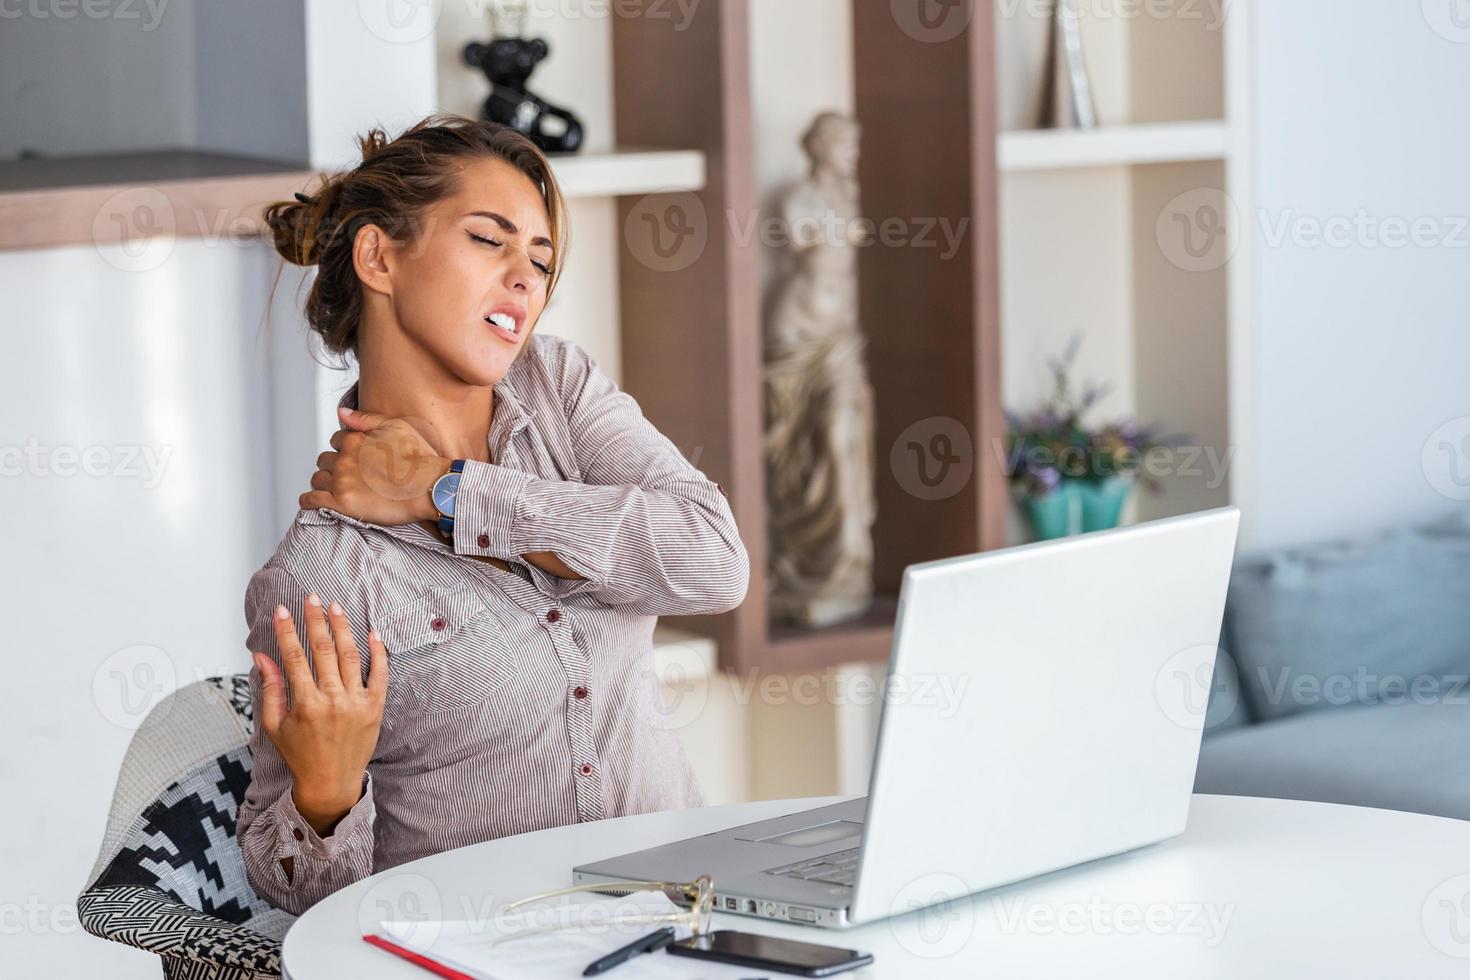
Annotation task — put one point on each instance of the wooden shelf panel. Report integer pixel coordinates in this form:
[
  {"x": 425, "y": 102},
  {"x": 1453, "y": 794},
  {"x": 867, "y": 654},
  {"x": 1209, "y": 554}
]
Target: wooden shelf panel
[
  {"x": 864, "y": 639},
  {"x": 48, "y": 202},
  {"x": 1064, "y": 149},
  {"x": 107, "y": 199}
]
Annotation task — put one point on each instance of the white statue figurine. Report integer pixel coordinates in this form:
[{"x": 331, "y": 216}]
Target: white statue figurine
[{"x": 818, "y": 402}]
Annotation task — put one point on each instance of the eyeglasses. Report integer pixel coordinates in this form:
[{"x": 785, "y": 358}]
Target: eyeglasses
[{"x": 696, "y": 898}]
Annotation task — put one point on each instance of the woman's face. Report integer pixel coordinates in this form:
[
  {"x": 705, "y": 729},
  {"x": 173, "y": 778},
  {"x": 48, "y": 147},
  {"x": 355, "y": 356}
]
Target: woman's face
[{"x": 470, "y": 288}]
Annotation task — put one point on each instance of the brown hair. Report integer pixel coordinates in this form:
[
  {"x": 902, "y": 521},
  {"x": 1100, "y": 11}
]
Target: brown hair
[{"x": 392, "y": 186}]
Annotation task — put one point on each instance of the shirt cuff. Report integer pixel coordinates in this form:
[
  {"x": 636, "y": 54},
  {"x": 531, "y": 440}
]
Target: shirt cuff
[
  {"x": 299, "y": 839},
  {"x": 485, "y": 510}
]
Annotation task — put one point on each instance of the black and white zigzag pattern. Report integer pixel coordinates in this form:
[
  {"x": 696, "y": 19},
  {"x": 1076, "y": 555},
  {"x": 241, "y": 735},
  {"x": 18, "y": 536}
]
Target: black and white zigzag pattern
[
  {"x": 183, "y": 843},
  {"x": 177, "y": 884},
  {"x": 150, "y": 920}
]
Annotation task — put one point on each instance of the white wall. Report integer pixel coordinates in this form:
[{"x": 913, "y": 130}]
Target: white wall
[
  {"x": 124, "y": 582},
  {"x": 1361, "y": 349},
  {"x": 368, "y": 64}
]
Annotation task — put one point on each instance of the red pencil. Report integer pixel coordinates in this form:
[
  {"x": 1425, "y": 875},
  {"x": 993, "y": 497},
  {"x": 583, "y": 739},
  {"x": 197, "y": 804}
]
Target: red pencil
[{"x": 419, "y": 958}]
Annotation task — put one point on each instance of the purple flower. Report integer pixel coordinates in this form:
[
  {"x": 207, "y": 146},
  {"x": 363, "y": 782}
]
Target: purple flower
[{"x": 1046, "y": 478}]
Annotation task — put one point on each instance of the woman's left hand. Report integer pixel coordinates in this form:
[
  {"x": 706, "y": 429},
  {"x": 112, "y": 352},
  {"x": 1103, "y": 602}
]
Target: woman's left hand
[{"x": 381, "y": 471}]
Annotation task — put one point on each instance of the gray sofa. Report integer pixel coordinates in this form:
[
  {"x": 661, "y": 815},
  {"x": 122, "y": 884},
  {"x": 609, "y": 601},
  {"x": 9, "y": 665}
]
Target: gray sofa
[{"x": 1345, "y": 674}]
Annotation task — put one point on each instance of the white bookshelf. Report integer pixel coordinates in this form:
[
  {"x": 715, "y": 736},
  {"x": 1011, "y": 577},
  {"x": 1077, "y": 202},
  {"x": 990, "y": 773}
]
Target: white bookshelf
[
  {"x": 1092, "y": 225},
  {"x": 1111, "y": 146},
  {"x": 629, "y": 171}
]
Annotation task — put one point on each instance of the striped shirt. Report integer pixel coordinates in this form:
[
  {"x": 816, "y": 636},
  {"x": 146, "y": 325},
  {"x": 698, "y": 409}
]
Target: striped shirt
[{"x": 516, "y": 700}]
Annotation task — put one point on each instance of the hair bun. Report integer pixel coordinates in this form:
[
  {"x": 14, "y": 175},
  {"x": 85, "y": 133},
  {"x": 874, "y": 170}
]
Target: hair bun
[
  {"x": 298, "y": 227},
  {"x": 287, "y": 221}
]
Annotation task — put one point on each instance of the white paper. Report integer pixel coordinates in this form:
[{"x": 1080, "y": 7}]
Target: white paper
[{"x": 472, "y": 947}]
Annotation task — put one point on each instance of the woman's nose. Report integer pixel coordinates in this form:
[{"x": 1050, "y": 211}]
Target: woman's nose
[{"x": 520, "y": 272}]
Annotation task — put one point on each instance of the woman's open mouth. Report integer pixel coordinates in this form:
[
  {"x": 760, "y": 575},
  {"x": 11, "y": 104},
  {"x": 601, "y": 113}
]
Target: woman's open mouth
[{"x": 506, "y": 323}]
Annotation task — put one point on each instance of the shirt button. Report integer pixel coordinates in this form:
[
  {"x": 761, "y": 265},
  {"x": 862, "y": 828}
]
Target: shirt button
[
  {"x": 586, "y": 769},
  {"x": 580, "y": 693},
  {"x": 552, "y": 615},
  {"x": 437, "y": 624},
  {"x": 296, "y": 832},
  {"x": 483, "y": 541}
]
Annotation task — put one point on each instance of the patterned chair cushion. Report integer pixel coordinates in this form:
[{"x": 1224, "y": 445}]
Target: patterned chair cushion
[{"x": 170, "y": 878}]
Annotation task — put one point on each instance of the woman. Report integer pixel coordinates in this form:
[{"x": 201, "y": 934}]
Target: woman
[{"x": 481, "y": 653}]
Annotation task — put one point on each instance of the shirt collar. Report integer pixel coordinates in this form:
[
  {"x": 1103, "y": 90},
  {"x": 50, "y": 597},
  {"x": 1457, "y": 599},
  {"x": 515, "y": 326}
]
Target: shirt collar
[{"x": 511, "y": 415}]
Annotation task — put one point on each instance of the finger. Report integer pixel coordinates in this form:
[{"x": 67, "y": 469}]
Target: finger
[
  {"x": 272, "y": 693},
  {"x": 361, "y": 421},
  {"x": 378, "y": 671},
  {"x": 345, "y": 441},
  {"x": 293, "y": 658},
  {"x": 323, "y": 650},
  {"x": 327, "y": 461},
  {"x": 322, "y": 480},
  {"x": 348, "y": 659},
  {"x": 316, "y": 500}
]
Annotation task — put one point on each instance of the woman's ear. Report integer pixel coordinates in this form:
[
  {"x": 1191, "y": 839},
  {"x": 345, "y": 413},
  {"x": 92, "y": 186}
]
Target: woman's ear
[{"x": 370, "y": 257}]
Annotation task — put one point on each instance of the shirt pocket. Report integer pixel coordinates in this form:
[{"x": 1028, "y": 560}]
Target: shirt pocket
[{"x": 445, "y": 651}]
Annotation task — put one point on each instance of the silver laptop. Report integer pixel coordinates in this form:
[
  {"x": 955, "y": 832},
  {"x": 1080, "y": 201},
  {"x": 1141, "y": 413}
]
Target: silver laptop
[{"x": 1084, "y": 667}]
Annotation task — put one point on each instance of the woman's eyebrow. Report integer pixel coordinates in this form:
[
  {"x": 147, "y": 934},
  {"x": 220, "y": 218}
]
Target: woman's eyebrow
[{"x": 508, "y": 226}]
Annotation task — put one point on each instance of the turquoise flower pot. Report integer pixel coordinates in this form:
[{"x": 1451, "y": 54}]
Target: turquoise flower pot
[
  {"x": 1057, "y": 514},
  {"x": 1078, "y": 506},
  {"x": 1102, "y": 503}
]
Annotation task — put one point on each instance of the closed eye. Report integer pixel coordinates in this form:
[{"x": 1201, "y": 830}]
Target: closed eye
[{"x": 542, "y": 266}]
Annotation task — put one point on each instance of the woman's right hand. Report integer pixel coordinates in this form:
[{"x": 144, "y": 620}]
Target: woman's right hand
[{"x": 330, "y": 732}]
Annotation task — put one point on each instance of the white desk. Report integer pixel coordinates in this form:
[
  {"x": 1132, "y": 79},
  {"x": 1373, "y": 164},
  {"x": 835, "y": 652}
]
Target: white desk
[{"x": 1254, "y": 889}]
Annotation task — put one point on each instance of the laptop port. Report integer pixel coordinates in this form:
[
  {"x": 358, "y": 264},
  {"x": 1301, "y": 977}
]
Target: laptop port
[
  {"x": 750, "y": 906},
  {"x": 730, "y": 904},
  {"x": 798, "y": 914}
]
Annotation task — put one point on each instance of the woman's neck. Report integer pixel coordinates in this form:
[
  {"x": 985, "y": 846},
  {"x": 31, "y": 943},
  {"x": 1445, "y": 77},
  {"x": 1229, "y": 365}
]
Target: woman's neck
[{"x": 407, "y": 382}]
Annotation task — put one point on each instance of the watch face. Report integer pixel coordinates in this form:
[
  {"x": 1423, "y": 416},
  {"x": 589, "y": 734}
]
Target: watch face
[{"x": 445, "y": 489}]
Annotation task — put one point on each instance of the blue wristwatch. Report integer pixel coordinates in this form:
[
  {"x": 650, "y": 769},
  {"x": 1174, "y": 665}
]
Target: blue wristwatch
[{"x": 446, "y": 489}]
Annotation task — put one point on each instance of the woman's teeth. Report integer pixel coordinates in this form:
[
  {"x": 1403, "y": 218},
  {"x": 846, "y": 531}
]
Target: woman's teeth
[{"x": 504, "y": 321}]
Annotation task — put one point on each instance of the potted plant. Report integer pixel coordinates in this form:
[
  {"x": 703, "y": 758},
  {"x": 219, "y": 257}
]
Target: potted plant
[{"x": 1071, "y": 478}]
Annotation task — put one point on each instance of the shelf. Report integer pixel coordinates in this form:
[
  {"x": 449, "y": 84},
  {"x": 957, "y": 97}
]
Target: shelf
[
  {"x": 679, "y": 655},
  {"x": 629, "y": 171},
  {"x": 703, "y": 388},
  {"x": 1026, "y": 150},
  {"x": 103, "y": 199},
  {"x": 866, "y": 638},
  {"x": 49, "y": 202}
]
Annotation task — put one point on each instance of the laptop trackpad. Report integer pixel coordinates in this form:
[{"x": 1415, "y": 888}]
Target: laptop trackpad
[{"x": 822, "y": 833}]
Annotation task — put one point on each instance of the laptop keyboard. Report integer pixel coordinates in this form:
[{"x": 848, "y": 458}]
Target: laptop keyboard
[{"x": 837, "y": 868}]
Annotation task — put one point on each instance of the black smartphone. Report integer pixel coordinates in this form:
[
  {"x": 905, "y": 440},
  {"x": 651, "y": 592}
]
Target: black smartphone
[{"x": 770, "y": 953}]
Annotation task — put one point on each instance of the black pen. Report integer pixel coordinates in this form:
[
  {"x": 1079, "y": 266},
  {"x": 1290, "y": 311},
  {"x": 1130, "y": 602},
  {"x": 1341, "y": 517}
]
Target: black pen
[{"x": 648, "y": 944}]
